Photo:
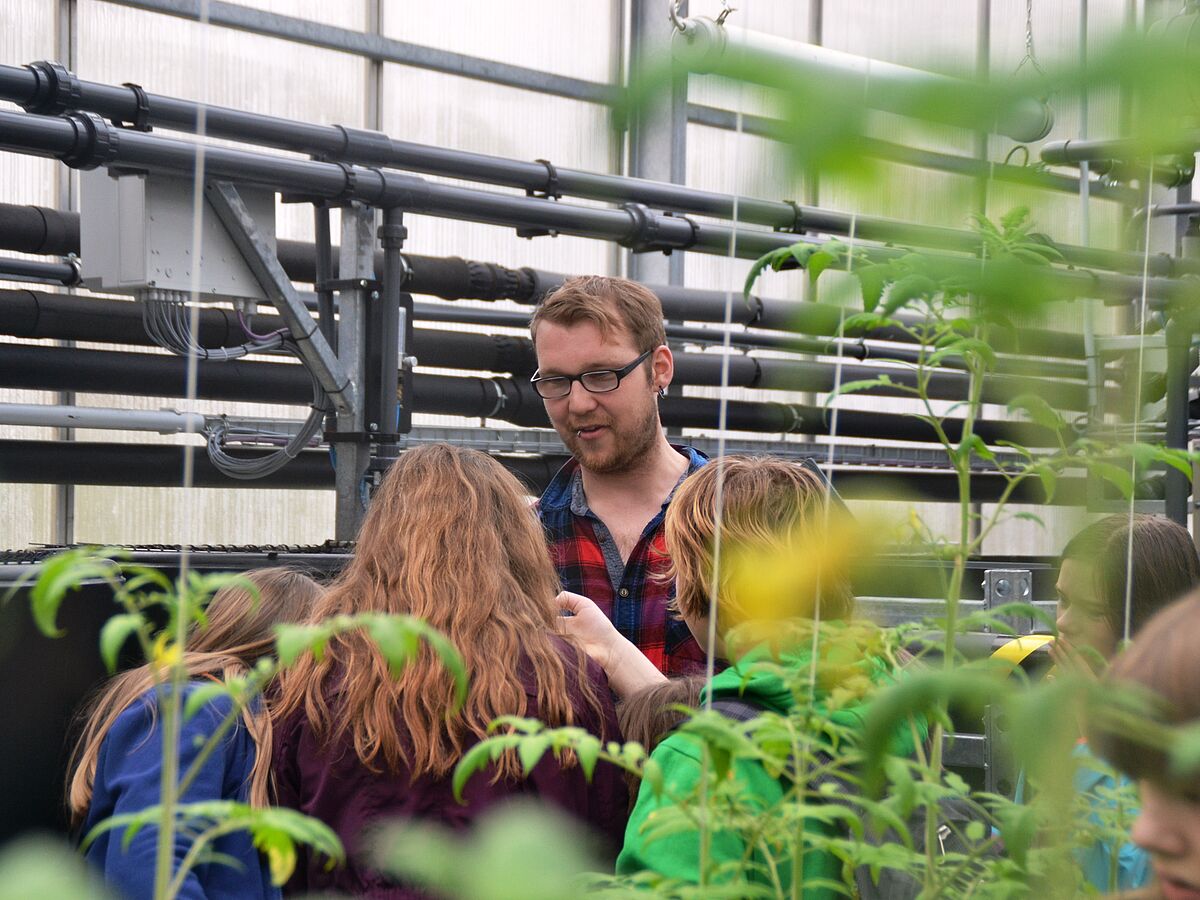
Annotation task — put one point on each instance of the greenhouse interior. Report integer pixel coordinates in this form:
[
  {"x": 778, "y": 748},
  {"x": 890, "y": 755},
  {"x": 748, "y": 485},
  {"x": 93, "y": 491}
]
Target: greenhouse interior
[{"x": 631, "y": 448}]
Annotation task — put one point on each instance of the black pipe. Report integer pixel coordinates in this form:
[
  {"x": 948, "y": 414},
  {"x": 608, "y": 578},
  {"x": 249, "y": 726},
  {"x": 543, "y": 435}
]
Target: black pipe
[
  {"x": 36, "y": 271},
  {"x": 161, "y": 465},
  {"x": 1074, "y": 152},
  {"x": 29, "y": 314},
  {"x": 105, "y": 372},
  {"x": 83, "y": 140},
  {"x": 49, "y": 88},
  {"x": 453, "y": 279}
]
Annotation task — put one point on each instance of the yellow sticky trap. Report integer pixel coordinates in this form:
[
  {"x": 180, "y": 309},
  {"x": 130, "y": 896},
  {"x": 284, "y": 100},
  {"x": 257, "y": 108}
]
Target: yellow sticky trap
[{"x": 1019, "y": 649}]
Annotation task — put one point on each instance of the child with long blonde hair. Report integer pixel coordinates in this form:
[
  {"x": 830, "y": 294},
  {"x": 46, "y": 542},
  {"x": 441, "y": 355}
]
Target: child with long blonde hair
[{"x": 116, "y": 765}]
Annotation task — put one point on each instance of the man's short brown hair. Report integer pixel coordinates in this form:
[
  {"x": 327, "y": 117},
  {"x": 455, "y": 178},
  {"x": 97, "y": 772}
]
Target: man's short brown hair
[{"x": 613, "y": 305}]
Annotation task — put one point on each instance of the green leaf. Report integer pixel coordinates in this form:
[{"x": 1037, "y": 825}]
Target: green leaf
[
  {"x": 975, "y": 831},
  {"x": 1049, "y": 479},
  {"x": 862, "y": 384},
  {"x": 907, "y": 289},
  {"x": 1120, "y": 478},
  {"x": 872, "y": 279},
  {"x": 818, "y": 263},
  {"x": 201, "y": 695},
  {"x": 975, "y": 444},
  {"x": 1030, "y": 517},
  {"x": 291, "y": 641},
  {"x": 59, "y": 575},
  {"x": 588, "y": 751},
  {"x": 113, "y": 635},
  {"x": 1038, "y": 411},
  {"x": 474, "y": 760},
  {"x": 531, "y": 750},
  {"x": 773, "y": 259}
]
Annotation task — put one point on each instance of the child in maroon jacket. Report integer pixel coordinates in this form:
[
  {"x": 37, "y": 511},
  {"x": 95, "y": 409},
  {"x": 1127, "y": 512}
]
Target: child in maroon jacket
[{"x": 450, "y": 538}]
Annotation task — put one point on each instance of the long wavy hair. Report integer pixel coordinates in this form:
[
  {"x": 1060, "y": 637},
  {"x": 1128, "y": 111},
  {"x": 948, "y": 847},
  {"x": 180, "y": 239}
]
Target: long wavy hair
[
  {"x": 452, "y": 539},
  {"x": 238, "y": 632}
]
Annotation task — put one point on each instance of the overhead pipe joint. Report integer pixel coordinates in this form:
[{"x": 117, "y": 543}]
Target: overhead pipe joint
[{"x": 705, "y": 46}]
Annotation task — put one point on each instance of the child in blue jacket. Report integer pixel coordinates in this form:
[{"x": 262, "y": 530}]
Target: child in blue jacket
[{"x": 116, "y": 766}]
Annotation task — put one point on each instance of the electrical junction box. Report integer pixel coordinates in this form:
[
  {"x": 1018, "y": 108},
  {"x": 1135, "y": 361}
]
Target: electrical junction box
[{"x": 135, "y": 234}]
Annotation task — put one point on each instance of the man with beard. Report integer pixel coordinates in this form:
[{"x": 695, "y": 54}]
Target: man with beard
[{"x": 603, "y": 364}]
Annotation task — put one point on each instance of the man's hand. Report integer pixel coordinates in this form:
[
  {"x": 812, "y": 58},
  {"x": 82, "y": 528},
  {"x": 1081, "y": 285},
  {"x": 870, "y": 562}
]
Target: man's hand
[
  {"x": 627, "y": 668},
  {"x": 589, "y": 627}
]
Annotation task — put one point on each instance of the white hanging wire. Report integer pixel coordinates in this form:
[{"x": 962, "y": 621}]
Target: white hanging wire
[
  {"x": 1137, "y": 401},
  {"x": 189, "y": 512},
  {"x": 722, "y": 414}
]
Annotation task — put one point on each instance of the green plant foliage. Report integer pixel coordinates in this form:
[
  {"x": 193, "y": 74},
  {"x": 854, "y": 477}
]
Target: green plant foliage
[
  {"x": 40, "y": 867},
  {"x": 516, "y": 852}
]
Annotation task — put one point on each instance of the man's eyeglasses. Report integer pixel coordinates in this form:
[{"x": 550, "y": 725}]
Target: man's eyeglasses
[{"x": 601, "y": 381}]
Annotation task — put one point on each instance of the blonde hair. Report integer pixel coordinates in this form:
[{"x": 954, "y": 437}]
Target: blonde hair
[
  {"x": 776, "y": 559},
  {"x": 613, "y": 305},
  {"x": 238, "y": 630},
  {"x": 450, "y": 538}
]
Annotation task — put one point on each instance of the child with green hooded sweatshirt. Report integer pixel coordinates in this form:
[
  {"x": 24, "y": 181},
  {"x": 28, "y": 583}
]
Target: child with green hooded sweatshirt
[{"x": 783, "y": 554}]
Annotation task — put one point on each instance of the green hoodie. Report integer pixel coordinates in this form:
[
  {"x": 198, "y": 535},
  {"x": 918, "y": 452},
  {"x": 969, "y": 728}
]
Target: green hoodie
[{"x": 679, "y": 757}]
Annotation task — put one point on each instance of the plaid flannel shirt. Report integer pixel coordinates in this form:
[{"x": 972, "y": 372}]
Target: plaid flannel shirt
[{"x": 588, "y": 563}]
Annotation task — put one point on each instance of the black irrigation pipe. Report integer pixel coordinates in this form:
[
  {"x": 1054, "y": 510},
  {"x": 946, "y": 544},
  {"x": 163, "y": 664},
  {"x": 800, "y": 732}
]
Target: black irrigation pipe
[
  {"x": 508, "y": 399},
  {"x": 48, "y": 88},
  {"x": 859, "y": 350},
  {"x": 84, "y": 140},
  {"x": 33, "y": 315},
  {"x": 50, "y": 307},
  {"x": 161, "y": 465},
  {"x": 36, "y": 229}
]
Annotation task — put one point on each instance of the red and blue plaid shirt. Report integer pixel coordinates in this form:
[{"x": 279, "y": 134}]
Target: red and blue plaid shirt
[{"x": 588, "y": 563}]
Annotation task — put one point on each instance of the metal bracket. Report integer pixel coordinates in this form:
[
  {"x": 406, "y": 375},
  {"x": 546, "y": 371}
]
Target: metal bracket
[
  {"x": 1001, "y": 586},
  {"x": 314, "y": 350}
]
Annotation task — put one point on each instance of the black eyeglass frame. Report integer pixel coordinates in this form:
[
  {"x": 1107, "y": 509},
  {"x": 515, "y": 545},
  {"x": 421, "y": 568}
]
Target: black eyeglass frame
[{"x": 570, "y": 379}]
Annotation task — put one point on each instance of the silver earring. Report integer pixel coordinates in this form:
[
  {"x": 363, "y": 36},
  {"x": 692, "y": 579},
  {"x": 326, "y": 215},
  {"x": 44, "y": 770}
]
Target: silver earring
[{"x": 662, "y": 392}]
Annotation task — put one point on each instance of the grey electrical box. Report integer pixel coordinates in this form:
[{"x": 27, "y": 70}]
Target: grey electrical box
[{"x": 135, "y": 234}]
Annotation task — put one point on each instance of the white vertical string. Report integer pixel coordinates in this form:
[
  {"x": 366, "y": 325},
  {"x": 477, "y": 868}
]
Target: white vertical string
[
  {"x": 189, "y": 449},
  {"x": 722, "y": 414},
  {"x": 1137, "y": 402}
]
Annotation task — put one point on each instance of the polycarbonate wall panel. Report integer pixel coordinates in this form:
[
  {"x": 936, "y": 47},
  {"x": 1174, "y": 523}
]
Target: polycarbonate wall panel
[
  {"x": 449, "y": 111},
  {"x": 27, "y": 33},
  {"x": 573, "y": 39},
  {"x": 228, "y": 68}
]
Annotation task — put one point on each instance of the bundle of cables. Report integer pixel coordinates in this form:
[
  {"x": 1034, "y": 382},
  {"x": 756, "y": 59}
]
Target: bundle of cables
[{"x": 167, "y": 321}]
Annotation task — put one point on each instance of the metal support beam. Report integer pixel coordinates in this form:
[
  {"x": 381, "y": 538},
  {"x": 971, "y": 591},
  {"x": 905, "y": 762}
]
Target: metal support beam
[
  {"x": 1180, "y": 330},
  {"x": 658, "y": 132},
  {"x": 353, "y": 448},
  {"x": 260, "y": 257}
]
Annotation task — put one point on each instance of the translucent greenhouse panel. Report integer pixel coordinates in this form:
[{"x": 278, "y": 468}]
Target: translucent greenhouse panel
[
  {"x": 27, "y": 33},
  {"x": 579, "y": 40},
  {"x": 245, "y": 71},
  {"x": 449, "y": 111},
  {"x": 228, "y": 68},
  {"x": 202, "y": 516}
]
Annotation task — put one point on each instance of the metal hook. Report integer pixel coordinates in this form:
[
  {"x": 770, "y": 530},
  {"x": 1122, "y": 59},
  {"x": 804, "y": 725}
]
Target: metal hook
[{"x": 673, "y": 11}]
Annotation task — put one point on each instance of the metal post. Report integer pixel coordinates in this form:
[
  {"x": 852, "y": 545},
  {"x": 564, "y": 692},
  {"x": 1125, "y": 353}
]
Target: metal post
[
  {"x": 1179, "y": 369},
  {"x": 395, "y": 348},
  {"x": 1002, "y": 586},
  {"x": 357, "y": 263},
  {"x": 64, "y": 494},
  {"x": 658, "y": 133}
]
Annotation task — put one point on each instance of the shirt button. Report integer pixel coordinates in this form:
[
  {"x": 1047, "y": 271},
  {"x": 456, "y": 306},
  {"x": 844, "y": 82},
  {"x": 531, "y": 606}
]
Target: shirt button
[{"x": 624, "y": 592}]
